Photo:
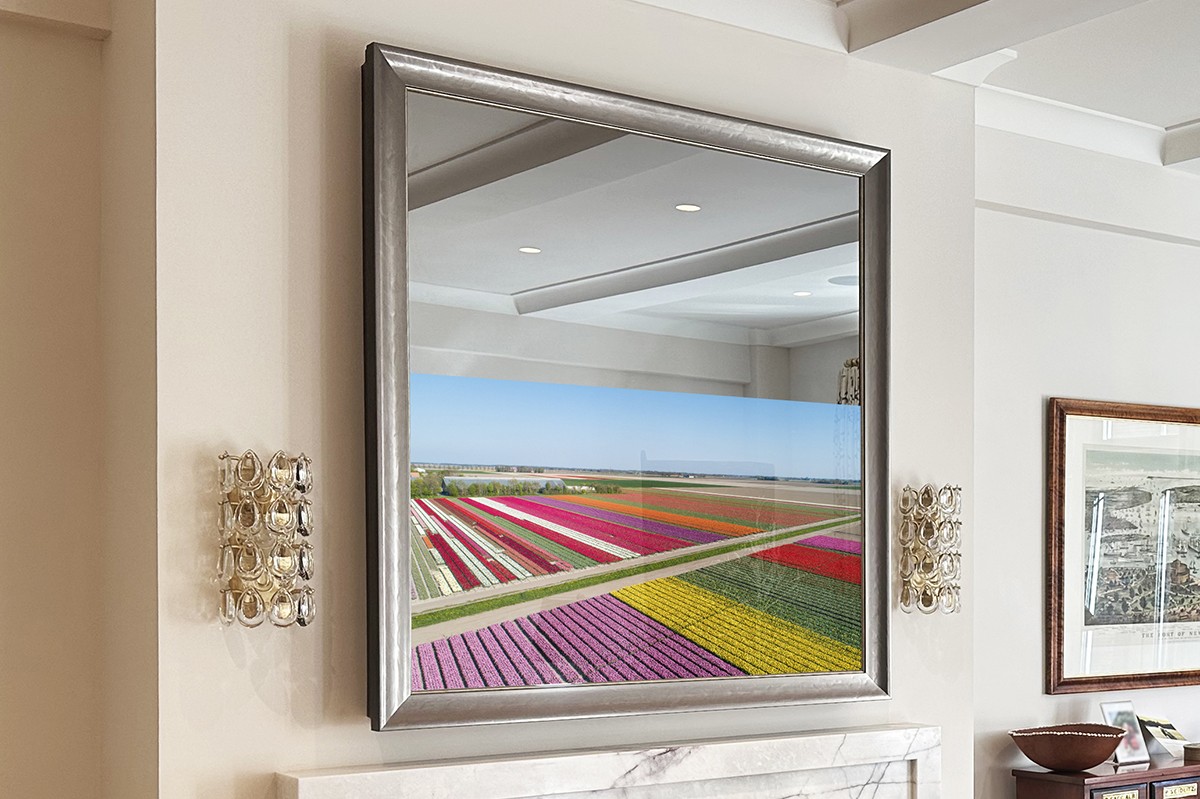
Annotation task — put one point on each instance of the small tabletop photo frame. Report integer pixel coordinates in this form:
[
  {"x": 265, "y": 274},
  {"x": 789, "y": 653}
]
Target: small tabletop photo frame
[
  {"x": 1162, "y": 734},
  {"x": 1132, "y": 748}
]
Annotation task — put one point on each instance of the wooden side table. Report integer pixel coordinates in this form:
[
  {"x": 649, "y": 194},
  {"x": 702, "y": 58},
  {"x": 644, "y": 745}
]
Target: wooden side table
[{"x": 1163, "y": 778}]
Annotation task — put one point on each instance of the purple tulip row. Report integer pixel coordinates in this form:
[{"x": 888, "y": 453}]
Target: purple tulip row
[
  {"x": 830, "y": 542},
  {"x": 600, "y": 639}
]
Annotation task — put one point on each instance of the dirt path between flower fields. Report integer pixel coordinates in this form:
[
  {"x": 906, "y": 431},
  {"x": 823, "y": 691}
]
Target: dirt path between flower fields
[{"x": 476, "y": 621}]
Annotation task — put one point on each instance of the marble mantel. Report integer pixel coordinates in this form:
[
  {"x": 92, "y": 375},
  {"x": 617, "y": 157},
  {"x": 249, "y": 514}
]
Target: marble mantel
[{"x": 896, "y": 761}]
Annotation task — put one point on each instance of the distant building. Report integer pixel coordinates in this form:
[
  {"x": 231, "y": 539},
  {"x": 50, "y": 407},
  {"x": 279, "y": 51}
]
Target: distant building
[{"x": 537, "y": 482}]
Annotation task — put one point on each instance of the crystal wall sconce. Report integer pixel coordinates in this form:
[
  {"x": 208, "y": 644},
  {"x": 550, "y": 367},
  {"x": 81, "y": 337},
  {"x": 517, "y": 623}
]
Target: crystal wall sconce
[
  {"x": 265, "y": 557},
  {"x": 930, "y": 548}
]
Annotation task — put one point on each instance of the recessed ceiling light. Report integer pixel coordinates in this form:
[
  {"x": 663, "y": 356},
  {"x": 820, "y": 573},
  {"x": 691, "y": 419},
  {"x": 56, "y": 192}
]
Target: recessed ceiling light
[
  {"x": 529, "y": 250},
  {"x": 801, "y": 293},
  {"x": 844, "y": 280},
  {"x": 687, "y": 208}
]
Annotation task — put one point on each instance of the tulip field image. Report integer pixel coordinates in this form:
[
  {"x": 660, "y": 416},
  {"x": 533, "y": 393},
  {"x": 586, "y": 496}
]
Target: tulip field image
[{"x": 549, "y": 547}]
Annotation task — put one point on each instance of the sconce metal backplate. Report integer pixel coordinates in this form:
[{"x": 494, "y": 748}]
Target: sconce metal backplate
[
  {"x": 930, "y": 536},
  {"x": 265, "y": 557}
]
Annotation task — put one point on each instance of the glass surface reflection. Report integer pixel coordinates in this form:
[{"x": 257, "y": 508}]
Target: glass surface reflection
[{"x": 629, "y": 459}]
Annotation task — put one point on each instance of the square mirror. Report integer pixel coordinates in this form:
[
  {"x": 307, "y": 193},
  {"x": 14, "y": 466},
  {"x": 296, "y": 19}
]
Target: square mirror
[{"x": 626, "y": 386}]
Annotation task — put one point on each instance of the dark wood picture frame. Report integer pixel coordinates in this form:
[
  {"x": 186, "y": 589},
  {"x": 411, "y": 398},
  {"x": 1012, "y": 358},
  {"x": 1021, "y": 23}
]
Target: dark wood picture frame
[{"x": 1059, "y": 409}]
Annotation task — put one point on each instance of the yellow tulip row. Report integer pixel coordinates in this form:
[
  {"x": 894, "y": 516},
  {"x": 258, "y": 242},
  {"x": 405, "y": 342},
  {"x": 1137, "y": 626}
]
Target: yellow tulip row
[{"x": 754, "y": 641}]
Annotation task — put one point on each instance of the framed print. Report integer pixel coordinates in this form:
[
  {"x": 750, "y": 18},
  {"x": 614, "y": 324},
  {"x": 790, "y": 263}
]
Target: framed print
[
  {"x": 1132, "y": 748},
  {"x": 1123, "y": 565},
  {"x": 626, "y": 380}
]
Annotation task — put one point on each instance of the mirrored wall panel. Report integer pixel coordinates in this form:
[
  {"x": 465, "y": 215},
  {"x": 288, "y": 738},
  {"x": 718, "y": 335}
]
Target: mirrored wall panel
[
  {"x": 634, "y": 385},
  {"x": 626, "y": 388}
]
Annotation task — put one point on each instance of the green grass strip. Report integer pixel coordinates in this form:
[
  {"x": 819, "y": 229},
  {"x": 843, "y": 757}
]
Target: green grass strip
[
  {"x": 421, "y": 578},
  {"x": 792, "y": 595},
  {"x": 484, "y": 605},
  {"x": 756, "y": 574}
]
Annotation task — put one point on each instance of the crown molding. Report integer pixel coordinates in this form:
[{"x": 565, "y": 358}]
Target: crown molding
[
  {"x": 815, "y": 22},
  {"x": 89, "y": 19},
  {"x": 815, "y": 331},
  {"x": 1050, "y": 120},
  {"x": 976, "y": 71},
  {"x": 928, "y": 36},
  {"x": 1181, "y": 147},
  {"x": 542, "y": 143},
  {"x": 627, "y": 288}
]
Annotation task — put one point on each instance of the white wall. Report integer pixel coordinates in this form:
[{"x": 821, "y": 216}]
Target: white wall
[
  {"x": 50, "y": 456},
  {"x": 770, "y": 373},
  {"x": 259, "y": 322},
  {"x": 458, "y": 341},
  {"x": 473, "y": 343},
  {"x": 815, "y": 368},
  {"x": 1070, "y": 305}
]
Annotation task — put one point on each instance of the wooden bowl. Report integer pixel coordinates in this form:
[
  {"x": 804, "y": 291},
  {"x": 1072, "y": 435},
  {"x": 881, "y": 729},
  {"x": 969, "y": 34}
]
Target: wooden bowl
[{"x": 1068, "y": 747}]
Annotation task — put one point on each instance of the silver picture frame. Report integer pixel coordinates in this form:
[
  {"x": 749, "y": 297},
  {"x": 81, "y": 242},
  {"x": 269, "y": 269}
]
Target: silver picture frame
[{"x": 389, "y": 73}]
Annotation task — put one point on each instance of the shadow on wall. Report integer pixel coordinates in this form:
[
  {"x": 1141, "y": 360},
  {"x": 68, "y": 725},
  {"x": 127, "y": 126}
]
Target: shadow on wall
[{"x": 997, "y": 756}]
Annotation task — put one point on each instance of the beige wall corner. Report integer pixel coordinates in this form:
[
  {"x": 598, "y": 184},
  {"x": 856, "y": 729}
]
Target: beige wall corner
[
  {"x": 88, "y": 18},
  {"x": 129, "y": 529},
  {"x": 49, "y": 411}
]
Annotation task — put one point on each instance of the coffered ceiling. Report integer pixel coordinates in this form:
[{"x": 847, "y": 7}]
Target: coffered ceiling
[
  {"x": 1130, "y": 62},
  {"x": 525, "y": 216},
  {"x": 1141, "y": 63},
  {"x": 521, "y": 215}
]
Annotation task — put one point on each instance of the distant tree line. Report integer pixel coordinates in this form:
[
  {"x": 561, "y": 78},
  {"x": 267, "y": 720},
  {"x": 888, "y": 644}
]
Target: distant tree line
[
  {"x": 432, "y": 484},
  {"x": 520, "y": 489},
  {"x": 425, "y": 485},
  {"x": 516, "y": 488}
]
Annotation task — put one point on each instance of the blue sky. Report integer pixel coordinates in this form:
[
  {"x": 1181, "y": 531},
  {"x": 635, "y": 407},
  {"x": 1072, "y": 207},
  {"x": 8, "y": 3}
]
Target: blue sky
[{"x": 474, "y": 420}]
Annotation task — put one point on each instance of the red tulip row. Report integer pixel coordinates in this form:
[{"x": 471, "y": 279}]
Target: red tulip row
[{"x": 838, "y": 565}]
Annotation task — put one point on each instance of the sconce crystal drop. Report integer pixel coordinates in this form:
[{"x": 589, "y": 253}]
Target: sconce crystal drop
[
  {"x": 265, "y": 557},
  {"x": 930, "y": 536}
]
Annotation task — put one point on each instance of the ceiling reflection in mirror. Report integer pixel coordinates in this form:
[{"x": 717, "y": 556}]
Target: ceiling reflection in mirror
[{"x": 634, "y": 431}]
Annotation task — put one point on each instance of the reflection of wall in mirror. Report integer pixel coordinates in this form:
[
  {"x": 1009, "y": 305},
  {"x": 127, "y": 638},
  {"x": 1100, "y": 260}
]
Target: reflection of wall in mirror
[
  {"x": 476, "y": 343},
  {"x": 815, "y": 369},
  {"x": 473, "y": 343}
]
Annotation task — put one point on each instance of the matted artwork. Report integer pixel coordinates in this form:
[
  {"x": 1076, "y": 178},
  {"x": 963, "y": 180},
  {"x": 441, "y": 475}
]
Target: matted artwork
[{"x": 1124, "y": 534}]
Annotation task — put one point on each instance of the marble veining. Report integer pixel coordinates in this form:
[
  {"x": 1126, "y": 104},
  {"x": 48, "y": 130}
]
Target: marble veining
[{"x": 890, "y": 762}]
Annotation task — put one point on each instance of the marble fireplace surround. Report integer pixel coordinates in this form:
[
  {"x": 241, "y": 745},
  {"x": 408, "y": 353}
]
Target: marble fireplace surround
[{"x": 887, "y": 762}]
